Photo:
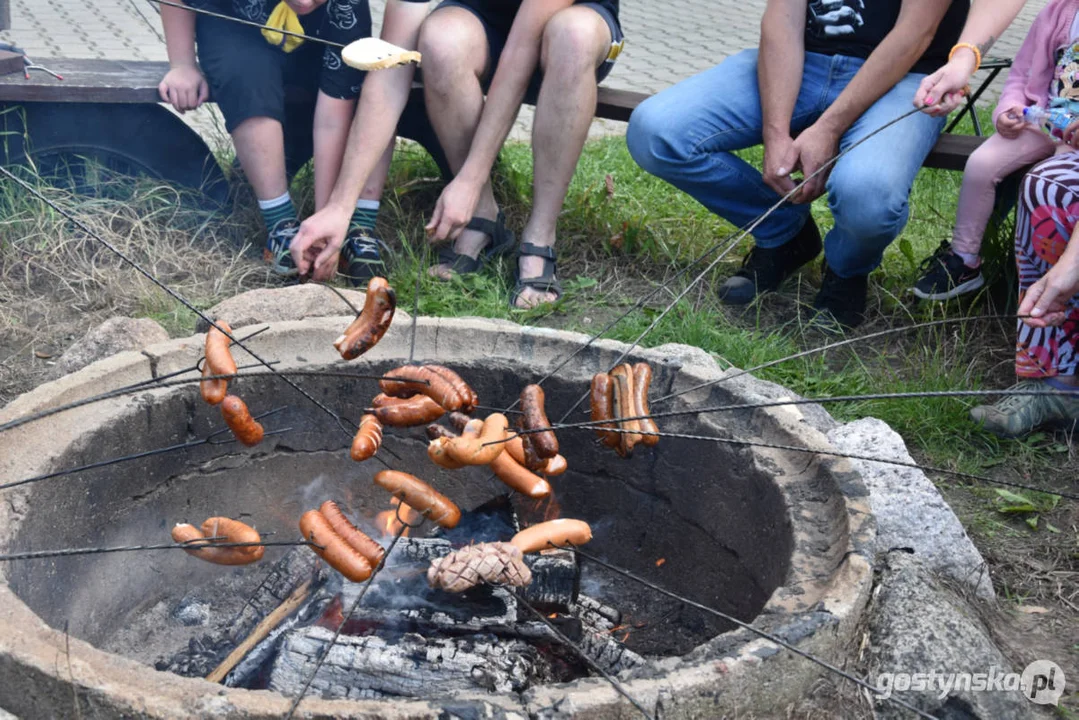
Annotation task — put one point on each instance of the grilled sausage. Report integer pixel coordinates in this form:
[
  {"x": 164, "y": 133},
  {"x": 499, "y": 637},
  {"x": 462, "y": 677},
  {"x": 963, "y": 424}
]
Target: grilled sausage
[
  {"x": 406, "y": 412},
  {"x": 559, "y": 533},
  {"x": 642, "y": 380},
  {"x": 420, "y": 496},
  {"x": 371, "y": 324},
  {"x": 625, "y": 408},
  {"x": 368, "y": 439},
  {"x": 533, "y": 461},
  {"x": 422, "y": 380},
  {"x": 231, "y": 531},
  {"x": 482, "y": 448},
  {"x": 602, "y": 401},
  {"x": 464, "y": 390},
  {"x": 545, "y": 442},
  {"x": 341, "y": 556},
  {"x": 356, "y": 538},
  {"x": 518, "y": 477},
  {"x": 218, "y": 355},
  {"x": 555, "y": 466},
  {"x": 212, "y": 391},
  {"x": 435, "y": 431},
  {"x": 247, "y": 429},
  {"x": 438, "y": 451}
]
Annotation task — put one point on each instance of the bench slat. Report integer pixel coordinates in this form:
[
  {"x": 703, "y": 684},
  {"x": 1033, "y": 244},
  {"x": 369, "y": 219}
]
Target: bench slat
[{"x": 115, "y": 81}]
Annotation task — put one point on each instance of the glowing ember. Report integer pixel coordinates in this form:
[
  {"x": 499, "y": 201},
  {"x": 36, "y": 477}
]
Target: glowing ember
[
  {"x": 660, "y": 562},
  {"x": 387, "y": 519}
]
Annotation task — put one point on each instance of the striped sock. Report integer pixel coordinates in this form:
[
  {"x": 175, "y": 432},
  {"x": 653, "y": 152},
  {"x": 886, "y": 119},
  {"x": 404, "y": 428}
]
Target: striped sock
[
  {"x": 276, "y": 210},
  {"x": 365, "y": 216}
]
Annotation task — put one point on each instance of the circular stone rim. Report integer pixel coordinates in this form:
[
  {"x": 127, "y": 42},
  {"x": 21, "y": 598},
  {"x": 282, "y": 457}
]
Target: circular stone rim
[{"x": 729, "y": 665}]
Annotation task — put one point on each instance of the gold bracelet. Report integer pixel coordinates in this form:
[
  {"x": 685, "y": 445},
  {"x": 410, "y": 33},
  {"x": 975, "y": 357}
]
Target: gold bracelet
[{"x": 973, "y": 48}]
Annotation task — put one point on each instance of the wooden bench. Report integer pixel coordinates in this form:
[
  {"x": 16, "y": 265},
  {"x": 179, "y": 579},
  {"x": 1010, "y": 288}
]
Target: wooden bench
[{"x": 111, "y": 109}]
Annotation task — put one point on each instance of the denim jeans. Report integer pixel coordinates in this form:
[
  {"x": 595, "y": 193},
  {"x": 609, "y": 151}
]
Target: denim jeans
[{"x": 686, "y": 133}]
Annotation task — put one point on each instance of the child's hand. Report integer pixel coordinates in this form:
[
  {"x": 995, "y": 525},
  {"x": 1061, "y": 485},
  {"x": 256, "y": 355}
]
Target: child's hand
[
  {"x": 1010, "y": 123},
  {"x": 184, "y": 87}
]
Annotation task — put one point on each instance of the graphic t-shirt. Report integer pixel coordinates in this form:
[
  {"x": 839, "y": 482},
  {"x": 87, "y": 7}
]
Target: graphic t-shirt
[
  {"x": 855, "y": 28},
  {"x": 344, "y": 13},
  {"x": 1065, "y": 86}
]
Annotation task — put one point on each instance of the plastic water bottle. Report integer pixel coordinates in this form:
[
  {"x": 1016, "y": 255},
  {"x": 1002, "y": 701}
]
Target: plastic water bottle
[{"x": 1050, "y": 120}]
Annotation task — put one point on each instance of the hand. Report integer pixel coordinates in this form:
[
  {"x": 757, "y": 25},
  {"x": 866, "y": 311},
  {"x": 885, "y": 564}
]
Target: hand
[
  {"x": 780, "y": 160},
  {"x": 1046, "y": 301},
  {"x": 184, "y": 87},
  {"x": 317, "y": 243},
  {"x": 454, "y": 210},
  {"x": 814, "y": 148},
  {"x": 942, "y": 92},
  {"x": 1010, "y": 123},
  {"x": 1071, "y": 134}
]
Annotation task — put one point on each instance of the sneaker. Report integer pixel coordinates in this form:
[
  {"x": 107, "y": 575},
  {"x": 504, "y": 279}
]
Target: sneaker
[
  {"x": 1016, "y": 415},
  {"x": 946, "y": 276},
  {"x": 361, "y": 257},
  {"x": 840, "y": 301},
  {"x": 277, "y": 248},
  {"x": 765, "y": 269}
]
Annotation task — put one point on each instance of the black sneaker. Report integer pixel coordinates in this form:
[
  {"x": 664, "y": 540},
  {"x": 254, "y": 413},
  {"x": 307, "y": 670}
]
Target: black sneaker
[
  {"x": 361, "y": 257},
  {"x": 277, "y": 247},
  {"x": 764, "y": 269},
  {"x": 945, "y": 276},
  {"x": 840, "y": 301}
]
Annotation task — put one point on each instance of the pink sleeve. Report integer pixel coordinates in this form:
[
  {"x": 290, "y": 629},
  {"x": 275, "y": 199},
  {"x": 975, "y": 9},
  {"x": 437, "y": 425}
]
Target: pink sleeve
[{"x": 1030, "y": 66}]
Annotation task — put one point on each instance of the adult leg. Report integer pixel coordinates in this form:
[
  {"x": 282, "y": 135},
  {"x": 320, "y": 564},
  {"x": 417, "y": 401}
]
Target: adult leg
[
  {"x": 869, "y": 188},
  {"x": 576, "y": 43},
  {"x": 454, "y": 45},
  {"x": 685, "y": 135}
]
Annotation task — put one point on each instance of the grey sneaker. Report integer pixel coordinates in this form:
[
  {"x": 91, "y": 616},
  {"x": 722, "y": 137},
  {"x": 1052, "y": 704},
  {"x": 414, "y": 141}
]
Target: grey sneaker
[
  {"x": 277, "y": 247},
  {"x": 361, "y": 257},
  {"x": 1016, "y": 415}
]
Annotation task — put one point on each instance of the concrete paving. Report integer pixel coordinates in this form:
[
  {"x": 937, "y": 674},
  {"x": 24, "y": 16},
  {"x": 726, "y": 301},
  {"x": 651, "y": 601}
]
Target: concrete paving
[{"x": 666, "y": 42}]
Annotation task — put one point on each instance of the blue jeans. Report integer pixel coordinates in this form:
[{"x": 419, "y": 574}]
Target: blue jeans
[{"x": 686, "y": 133}]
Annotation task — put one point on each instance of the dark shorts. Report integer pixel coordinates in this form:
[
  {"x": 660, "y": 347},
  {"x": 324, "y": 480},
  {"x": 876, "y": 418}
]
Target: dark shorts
[
  {"x": 497, "y": 24},
  {"x": 248, "y": 77}
]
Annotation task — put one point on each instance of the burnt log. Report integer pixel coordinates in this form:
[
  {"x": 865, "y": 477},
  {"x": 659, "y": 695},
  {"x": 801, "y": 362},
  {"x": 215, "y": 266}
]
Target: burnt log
[
  {"x": 407, "y": 666},
  {"x": 556, "y": 581}
]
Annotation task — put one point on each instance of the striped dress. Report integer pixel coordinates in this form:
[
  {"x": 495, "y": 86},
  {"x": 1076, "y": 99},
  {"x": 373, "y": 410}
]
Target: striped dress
[{"x": 1047, "y": 215}]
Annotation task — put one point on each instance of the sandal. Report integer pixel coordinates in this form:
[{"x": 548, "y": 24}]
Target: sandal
[
  {"x": 500, "y": 242},
  {"x": 545, "y": 282}
]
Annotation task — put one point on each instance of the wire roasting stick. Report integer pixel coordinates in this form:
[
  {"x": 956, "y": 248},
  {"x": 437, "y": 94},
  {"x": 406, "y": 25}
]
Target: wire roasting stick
[
  {"x": 832, "y": 346},
  {"x": 851, "y": 456},
  {"x": 741, "y": 234},
  {"x": 175, "y": 295},
  {"x": 142, "y": 387},
  {"x": 67, "y": 552},
  {"x": 210, "y": 439},
  {"x": 619, "y": 687},
  {"x": 756, "y": 631},
  {"x": 220, "y": 16}
]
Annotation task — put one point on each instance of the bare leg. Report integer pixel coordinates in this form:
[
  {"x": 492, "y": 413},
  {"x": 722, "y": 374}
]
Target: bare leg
[
  {"x": 575, "y": 43},
  {"x": 260, "y": 147},
  {"x": 454, "y": 48},
  {"x": 333, "y": 118}
]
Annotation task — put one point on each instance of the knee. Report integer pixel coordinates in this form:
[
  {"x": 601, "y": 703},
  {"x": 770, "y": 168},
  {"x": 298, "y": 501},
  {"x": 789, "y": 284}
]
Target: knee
[
  {"x": 868, "y": 204},
  {"x": 653, "y": 138},
  {"x": 982, "y": 168},
  {"x": 443, "y": 44},
  {"x": 572, "y": 42}
]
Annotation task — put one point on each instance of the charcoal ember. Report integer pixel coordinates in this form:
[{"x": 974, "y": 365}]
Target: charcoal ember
[
  {"x": 493, "y": 563},
  {"x": 408, "y": 665}
]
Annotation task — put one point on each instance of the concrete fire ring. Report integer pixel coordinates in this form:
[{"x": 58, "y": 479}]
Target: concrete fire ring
[{"x": 817, "y": 607}]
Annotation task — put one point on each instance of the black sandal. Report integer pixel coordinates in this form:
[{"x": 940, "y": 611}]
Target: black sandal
[
  {"x": 500, "y": 242},
  {"x": 545, "y": 282}
]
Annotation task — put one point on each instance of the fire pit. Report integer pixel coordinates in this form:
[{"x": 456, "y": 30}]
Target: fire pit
[{"x": 773, "y": 536}]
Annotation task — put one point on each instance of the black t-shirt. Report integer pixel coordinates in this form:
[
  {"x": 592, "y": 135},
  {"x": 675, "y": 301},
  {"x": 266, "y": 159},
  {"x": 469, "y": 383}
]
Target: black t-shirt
[
  {"x": 856, "y": 27},
  {"x": 506, "y": 10},
  {"x": 259, "y": 10}
]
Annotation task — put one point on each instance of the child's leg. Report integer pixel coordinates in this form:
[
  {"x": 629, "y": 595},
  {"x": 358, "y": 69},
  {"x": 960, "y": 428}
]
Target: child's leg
[{"x": 997, "y": 158}]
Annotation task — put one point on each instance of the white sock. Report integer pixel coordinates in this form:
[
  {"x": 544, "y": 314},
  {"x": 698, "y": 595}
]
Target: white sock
[
  {"x": 275, "y": 202},
  {"x": 362, "y": 204},
  {"x": 971, "y": 259}
]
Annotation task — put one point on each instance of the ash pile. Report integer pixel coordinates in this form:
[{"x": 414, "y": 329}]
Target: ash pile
[{"x": 407, "y": 639}]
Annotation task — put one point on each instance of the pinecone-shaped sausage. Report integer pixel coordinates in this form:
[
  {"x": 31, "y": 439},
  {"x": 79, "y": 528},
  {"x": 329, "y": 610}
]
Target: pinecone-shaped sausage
[{"x": 494, "y": 563}]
